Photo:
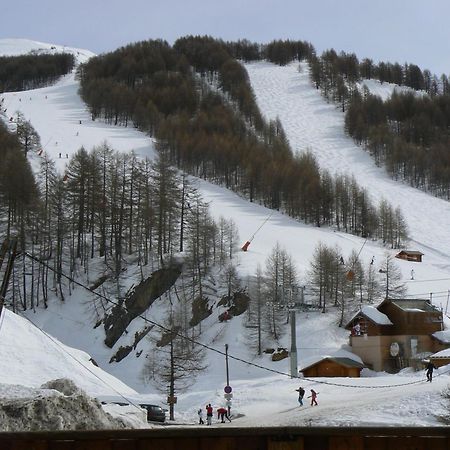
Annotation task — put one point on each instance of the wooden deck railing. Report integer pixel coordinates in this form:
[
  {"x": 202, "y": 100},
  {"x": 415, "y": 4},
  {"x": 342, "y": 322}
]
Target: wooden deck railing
[{"x": 231, "y": 438}]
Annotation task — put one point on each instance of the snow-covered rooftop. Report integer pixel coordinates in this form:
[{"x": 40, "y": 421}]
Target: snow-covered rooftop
[
  {"x": 374, "y": 315},
  {"x": 443, "y": 336}
]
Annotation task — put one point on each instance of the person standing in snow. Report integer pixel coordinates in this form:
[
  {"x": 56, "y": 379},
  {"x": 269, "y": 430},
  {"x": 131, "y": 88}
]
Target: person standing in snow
[
  {"x": 200, "y": 416},
  {"x": 209, "y": 414},
  {"x": 301, "y": 394},
  {"x": 313, "y": 397},
  {"x": 430, "y": 367}
]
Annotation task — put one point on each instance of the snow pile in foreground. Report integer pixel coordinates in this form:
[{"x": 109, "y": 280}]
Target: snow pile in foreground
[{"x": 57, "y": 405}]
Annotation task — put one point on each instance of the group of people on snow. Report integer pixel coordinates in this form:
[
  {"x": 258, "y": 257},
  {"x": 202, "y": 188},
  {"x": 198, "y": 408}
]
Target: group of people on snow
[
  {"x": 222, "y": 414},
  {"x": 313, "y": 396}
]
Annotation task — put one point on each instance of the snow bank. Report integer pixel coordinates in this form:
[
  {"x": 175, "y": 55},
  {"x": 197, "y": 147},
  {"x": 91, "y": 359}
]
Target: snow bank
[{"x": 57, "y": 405}]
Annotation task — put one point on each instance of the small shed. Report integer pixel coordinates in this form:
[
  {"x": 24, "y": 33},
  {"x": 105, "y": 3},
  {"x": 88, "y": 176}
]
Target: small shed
[
  {"x": 333, "y": 366},
  {"x": 410, "y": 255}
]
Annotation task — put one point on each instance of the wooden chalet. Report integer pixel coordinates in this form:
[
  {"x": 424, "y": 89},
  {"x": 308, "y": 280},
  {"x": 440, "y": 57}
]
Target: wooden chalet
[
  {"x": 397, "y": 333},
  {"x": 410, "y": 255},
  {"x": 333, "y": 366}
]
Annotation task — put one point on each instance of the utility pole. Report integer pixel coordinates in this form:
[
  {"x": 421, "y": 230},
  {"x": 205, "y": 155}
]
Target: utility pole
[
  {"x": 226, "y": 364},
  {"x": 293, "y": 352},
  {"x": 227, "y": 389}
]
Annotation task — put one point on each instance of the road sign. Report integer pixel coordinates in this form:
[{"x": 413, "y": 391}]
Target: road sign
[
  {"x": 228, "y": 396},
  {"x": 229, "y": 403},
  {"x": 227, "y": 389}
]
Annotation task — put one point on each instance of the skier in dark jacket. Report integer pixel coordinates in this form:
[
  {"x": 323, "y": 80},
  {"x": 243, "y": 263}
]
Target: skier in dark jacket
[
  {"x": 301, "y": 394},
  {"x": 430, "y": 367}
]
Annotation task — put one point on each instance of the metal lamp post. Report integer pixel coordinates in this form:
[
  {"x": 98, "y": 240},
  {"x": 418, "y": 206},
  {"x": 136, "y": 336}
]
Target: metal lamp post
[{"x": 292, "y": 319}]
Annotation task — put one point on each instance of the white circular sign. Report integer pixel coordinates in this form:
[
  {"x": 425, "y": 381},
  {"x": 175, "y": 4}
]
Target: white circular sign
[{"x": 394, "y": 349}]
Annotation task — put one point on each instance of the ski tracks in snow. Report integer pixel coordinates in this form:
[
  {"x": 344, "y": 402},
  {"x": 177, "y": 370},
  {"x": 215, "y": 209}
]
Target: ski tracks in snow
[{"x": 313, "y": 124}]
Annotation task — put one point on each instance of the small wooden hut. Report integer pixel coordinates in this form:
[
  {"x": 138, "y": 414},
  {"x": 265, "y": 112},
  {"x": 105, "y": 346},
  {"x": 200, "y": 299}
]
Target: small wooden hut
[{"x": 410, "y": 255}]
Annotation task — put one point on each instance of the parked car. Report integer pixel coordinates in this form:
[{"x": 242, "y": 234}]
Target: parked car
[{"x": 154, "y": 412}]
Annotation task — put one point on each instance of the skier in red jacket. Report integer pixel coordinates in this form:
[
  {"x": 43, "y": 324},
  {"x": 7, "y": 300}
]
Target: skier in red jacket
[
  {"x": 209, "y": 414},
  {"x": 222, "y": 413}
]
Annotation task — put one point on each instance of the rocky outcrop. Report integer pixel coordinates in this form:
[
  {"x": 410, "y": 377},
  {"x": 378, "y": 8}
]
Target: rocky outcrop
[
  {"x": 200, "y": 311},
  {"x": 137, "y": 301}
]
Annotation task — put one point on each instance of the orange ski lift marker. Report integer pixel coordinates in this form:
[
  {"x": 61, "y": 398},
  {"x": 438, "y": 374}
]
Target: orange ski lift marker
[{"x": 244, "y": 248}]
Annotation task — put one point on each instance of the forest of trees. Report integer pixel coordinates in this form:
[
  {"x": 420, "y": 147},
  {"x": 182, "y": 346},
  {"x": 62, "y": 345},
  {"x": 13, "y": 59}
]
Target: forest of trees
[
  {"x": 407, "y": 133},
  {"x": 114, "y": 211},
  {"x": 20, "y": 73},
  {"x": 111, "y": 206},
  {"x": 212, "y": 128}
]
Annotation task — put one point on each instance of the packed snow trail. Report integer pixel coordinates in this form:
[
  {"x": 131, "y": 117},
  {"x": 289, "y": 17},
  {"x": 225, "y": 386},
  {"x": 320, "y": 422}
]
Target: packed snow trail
[{"x": 313, "y": 124}]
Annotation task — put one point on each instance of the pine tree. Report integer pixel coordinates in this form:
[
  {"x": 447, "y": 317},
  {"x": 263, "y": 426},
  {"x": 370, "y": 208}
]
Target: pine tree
[{"x": 391, "y": 282}]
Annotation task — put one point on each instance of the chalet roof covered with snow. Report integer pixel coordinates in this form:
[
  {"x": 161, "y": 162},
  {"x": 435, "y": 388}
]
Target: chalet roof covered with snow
[
  {"x": 442, "y": 354},
  {"x": 413, "y": 304},
  {"x": 442, "y": 336},
  {"x": 372, "y": 314}
]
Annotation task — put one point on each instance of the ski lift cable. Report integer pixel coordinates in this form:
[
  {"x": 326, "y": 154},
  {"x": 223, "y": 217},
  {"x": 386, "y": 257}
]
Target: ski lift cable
[
  {"x": 187, "y": 338},
  {"x": 264, "y": 222},
  {"x": 247, "y": 243}
]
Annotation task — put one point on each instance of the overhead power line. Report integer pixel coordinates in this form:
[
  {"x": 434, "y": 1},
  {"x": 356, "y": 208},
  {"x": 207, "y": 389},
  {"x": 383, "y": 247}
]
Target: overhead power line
[{"x": 162, "y": 327}]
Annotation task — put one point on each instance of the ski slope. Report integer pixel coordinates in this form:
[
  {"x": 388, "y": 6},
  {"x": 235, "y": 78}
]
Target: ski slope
[{"x": 64, "y": 124}]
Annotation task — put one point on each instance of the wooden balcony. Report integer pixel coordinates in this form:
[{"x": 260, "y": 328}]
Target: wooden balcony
[{"x": 232, "y": 438}]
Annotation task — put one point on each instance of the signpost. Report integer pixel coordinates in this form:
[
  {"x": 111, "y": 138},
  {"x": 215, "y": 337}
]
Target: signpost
[{"x": 227, "y": 389}]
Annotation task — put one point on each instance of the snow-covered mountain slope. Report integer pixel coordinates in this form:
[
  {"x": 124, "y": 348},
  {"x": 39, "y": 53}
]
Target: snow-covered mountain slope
[
  {"x": 56, "y": 113},
  {"x": 15, "y": 47},
  {"x": 385, "y": 90},
  {"x": 30, "y": 357},
  {"x": 311, "y": 123}
]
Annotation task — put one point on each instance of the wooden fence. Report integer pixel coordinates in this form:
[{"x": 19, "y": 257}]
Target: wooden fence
[{"x": 231, "y": 438}]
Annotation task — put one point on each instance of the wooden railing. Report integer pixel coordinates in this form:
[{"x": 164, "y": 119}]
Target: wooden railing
[{"x": 231, "y": 438}]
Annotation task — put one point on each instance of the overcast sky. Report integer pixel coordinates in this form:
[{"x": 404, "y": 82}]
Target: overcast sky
[{"x": 390, "y": 30}]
